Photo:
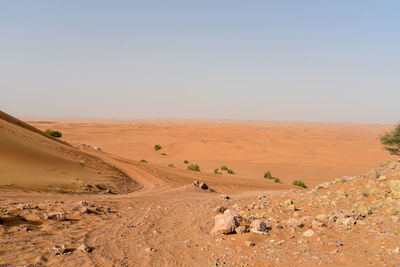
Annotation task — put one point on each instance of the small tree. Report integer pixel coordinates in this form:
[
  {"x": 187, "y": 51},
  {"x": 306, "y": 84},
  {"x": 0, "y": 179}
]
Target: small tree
[
  {"x": 53, "y": 133},
  {"x": 268, "y": 175},
  {"x": 391, "y": 141}
]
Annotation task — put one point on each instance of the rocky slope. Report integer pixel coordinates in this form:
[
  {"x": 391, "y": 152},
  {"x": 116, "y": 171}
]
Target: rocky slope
[{"x": 351, "y": 221}]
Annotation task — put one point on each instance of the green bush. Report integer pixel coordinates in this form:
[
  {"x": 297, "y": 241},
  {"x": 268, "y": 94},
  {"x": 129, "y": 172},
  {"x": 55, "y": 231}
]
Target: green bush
[
  {"x": 391, "y": 141},
  {"x": 230, "y": 171},
  {"x": 277, "y": 180},
  {"x": 224, "y": 168},
  {"x": 299, "y": 183},
  {"x": 53, "y": 133},
  {"x": 171, "y": 165},
  {"x": 157, "y": 147},
  {"x": 268, "y": 175},
  {"x": 143, "y": 160},
  {"x": 194, "y": 167},
  {"x": 186, "y": 161},
  {"x": 216, "y": 171}
]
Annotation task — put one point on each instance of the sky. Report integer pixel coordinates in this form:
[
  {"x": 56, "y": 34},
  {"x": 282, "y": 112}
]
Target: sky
[{"x": 294, "y": 60}]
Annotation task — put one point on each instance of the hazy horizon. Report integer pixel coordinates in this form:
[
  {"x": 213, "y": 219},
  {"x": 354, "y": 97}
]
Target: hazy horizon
[{"x": 228, "y": 60}]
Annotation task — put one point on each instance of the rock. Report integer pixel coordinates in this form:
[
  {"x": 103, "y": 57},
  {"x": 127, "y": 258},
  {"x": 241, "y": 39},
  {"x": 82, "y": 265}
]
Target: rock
[
  {"x": 247, "y": 217},
  {"x": 87, "y": 204},
  {"x": 85, "y": 210},
  {"x": 149, "y": 249},
  {"x": 291, "y": 207},
  {"x": 372, "y": 175},
  {"x": 308, "y": 233},
  {"x": 230, "y": 212},
  {"x": 224, "y": 197},
  {"x": 261, "y": 197},
  {"x": 317, "y": 224},
  {"x": 258, "y": 226},
  {"x": 322, "y": 218},
  {"x": 349, "y": 221},
  {"x": 287, "y": 203},
  {"x": 382, "y": 178},
  {"x": 339, "y": 243},
  {"x": 392, "y": 166},
  {"x": 59, "y": 249},
  {"x": 97, "y": 148},
  {"x": 293, "y": 222},
  {"x": 84, "y": 248},
  {"x": 24, "y": 228},
  {"x": 219, "y": 209},
  {"x": 196, "y": 183},
  {"x": 23, "y": 206},
  {"x": 242, "y": 229},
  {"x": 396, "y": 250},
  {"x": 361, "y": 210},
  {"x": 225, "y": 224},
  {"x": 58, "y": 216},
  {"x": 203, "y": 186},
  {"x": 306, "y": 220},
  {"x": 109, "y": 191},
  {"x": 42, "y": 258},
  {"x": 395, "y": 188},
  {"x": 249, "y": 243}
]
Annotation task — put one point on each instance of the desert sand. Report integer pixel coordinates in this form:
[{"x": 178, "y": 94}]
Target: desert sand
[
  {"x": 153, "y": 215},
  {"x": 312, "y": 152}
]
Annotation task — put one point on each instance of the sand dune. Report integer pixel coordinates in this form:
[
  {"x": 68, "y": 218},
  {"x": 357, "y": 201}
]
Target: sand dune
[{"x": 29, "y": 159}]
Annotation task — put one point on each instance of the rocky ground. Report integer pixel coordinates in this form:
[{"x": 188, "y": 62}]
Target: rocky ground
[{"x": 351, "y": 221}]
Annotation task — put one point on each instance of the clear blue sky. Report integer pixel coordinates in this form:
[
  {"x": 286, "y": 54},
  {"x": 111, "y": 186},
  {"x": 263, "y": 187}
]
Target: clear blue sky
[{"x": 257, "y": 60}]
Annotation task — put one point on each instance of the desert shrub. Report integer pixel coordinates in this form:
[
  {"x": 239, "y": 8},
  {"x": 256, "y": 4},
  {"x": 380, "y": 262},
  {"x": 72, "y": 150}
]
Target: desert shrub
[
  {"x": 194, "y": 167},
  {"x": 143, "y": 160},
  {"x": 224, "y": 168},
  {"x": 53, "y": 133},
  {"x": 230, "y": 171},
  {"x": 157, "y": 147},
  {"x": 163, "y": 154},
  {"x": 171, "y": 165},
  {"x": 186, "y": 161},
  {"x": 391, "y": 141},
  {"x": 277, "y": 180},
  {"x": 268, "y": 175},
  {"x": 216, "y": 171},
  {"x": 299, "y": 183}
]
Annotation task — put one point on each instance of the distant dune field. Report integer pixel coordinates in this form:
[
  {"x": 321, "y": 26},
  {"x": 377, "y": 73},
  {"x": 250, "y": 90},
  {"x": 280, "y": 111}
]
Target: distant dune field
[{"x": 312, "y": 152}]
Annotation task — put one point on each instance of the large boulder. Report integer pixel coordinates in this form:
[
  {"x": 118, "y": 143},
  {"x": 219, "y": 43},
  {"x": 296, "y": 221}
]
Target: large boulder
[{"x": 225, "y": 223}]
